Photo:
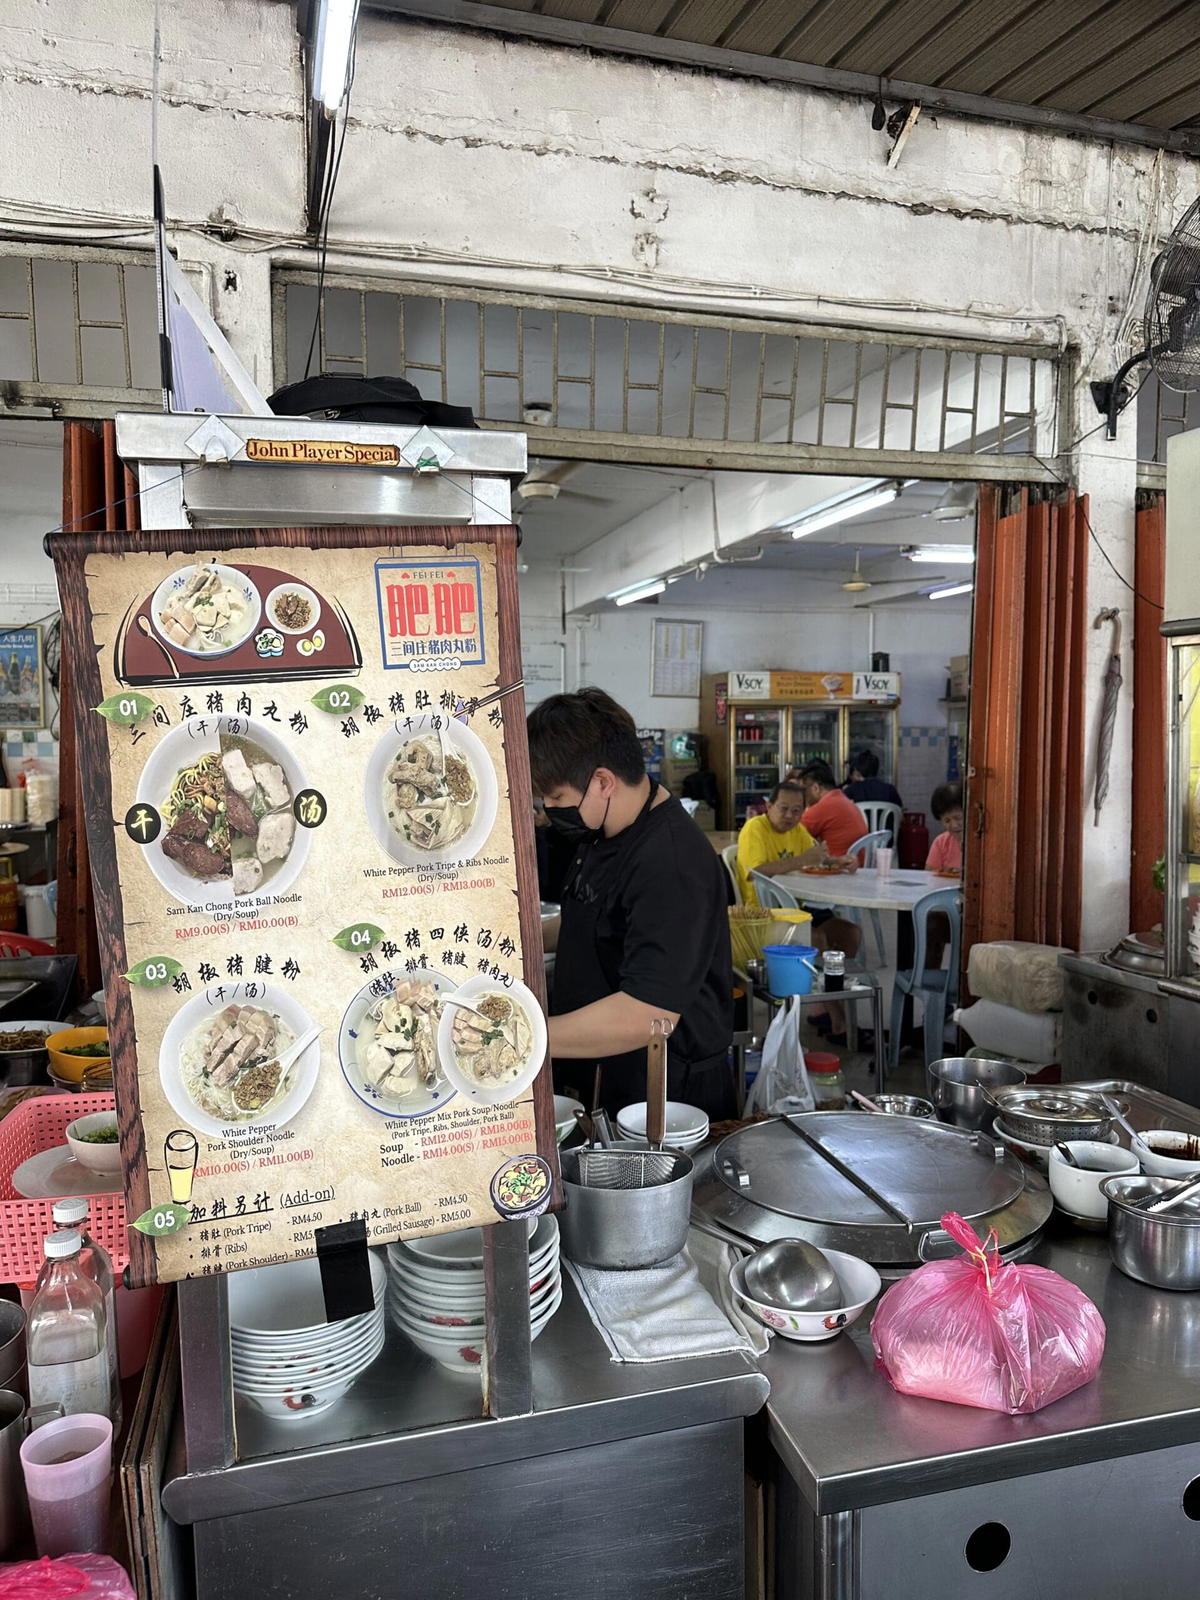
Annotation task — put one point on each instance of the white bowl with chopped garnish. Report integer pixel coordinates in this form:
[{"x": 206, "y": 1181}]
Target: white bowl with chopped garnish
[{"x": 93, "y": 1141}]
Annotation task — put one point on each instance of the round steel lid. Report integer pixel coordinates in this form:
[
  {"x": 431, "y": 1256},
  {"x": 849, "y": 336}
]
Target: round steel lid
[
  {"x": 924, "y": 1169},
  {"x": 1050, "y": 1105}
]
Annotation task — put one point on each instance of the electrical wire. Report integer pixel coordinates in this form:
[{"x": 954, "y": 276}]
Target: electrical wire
[
  {"x": 1087, "y": 522},
  {"x": 329, "y": 189}
]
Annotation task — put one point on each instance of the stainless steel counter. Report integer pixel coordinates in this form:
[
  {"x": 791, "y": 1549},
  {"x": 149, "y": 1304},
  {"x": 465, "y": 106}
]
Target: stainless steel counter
[{"x": 849, "y": 1440}]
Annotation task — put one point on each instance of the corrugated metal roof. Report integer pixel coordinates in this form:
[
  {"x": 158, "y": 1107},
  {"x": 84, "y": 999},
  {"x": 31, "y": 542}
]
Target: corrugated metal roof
[{"x": 1127, "y": 61}]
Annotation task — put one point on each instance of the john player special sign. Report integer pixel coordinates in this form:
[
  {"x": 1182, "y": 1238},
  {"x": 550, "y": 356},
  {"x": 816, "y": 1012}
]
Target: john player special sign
[{"x": 314, "y": 929}]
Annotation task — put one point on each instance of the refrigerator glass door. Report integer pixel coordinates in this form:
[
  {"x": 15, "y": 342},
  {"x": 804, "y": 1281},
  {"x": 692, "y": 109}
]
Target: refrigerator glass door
[
  {"x": 871, "y": 728},
  {"x": 814, "y": 737},
  {"x": 757, "y": 748}
]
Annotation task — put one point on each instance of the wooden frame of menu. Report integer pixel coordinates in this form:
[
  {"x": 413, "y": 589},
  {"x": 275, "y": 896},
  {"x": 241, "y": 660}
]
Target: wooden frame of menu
[{"x": 391, "y": 639}]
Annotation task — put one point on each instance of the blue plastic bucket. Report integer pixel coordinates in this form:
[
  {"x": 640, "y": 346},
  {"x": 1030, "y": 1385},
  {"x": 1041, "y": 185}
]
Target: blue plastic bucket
[{"x": 789, "y": 968}]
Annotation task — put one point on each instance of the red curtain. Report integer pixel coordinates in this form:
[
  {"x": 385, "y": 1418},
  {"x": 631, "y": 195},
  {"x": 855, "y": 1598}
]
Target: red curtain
[
  {"x": 1025, "y": 779},
  {"x": 1148, "y": 831}
]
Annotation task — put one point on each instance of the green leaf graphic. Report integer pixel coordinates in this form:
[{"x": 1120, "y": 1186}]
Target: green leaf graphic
[
  {"x": 160, "y": 1221},
  {"x": 338, "y": 698},
  {"x": 362, "y": 936},
  {"x": 126, "y": 709},
  {"x": 155, "y": 971}
]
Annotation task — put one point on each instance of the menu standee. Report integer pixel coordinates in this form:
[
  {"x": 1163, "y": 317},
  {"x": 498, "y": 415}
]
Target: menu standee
[{"x": 285, "y": 908}]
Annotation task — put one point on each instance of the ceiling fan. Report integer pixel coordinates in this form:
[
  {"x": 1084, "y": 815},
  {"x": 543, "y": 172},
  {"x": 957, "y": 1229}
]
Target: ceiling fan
[
  {"x": 857, "y": 581},
  {"x": 549, "y": 483}
]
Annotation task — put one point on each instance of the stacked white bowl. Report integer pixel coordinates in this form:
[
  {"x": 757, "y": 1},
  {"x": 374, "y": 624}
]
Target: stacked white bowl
[
  {"x": 287, "y": 1359},
  {"x": 686, "y": 1126},
  {"x": 435, "y": 1291}
]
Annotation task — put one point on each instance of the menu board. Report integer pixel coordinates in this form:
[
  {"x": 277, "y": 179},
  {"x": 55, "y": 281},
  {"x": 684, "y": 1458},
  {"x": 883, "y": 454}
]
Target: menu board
[{"x": 310, "y": 825}]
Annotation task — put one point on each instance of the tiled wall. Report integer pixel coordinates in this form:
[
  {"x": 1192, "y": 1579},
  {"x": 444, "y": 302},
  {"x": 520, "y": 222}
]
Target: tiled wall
[{"x": 924, "y": 758}]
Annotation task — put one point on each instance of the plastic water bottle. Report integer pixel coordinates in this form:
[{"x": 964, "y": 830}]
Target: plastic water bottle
[
  {"x": 97, "y": 1263},
  {"x": 66, "y": 1345}
]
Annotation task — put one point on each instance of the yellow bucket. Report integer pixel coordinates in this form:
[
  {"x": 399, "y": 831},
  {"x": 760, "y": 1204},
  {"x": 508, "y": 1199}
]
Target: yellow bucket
[{"x": 795, "y": 927}]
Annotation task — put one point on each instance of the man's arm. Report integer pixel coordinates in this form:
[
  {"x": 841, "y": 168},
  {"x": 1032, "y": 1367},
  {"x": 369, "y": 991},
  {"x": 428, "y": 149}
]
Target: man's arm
[
  {"x": 816, "y": 856},
  {"x": 607, "y": 1027}
]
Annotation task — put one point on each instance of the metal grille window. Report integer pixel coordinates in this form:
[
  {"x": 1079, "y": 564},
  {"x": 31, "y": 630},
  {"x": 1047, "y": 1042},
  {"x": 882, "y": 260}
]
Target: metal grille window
[
  {"x": 1161, "y": 414},
  {"x": 630, "y": 382},
  {"x": 78, "y": 331}
]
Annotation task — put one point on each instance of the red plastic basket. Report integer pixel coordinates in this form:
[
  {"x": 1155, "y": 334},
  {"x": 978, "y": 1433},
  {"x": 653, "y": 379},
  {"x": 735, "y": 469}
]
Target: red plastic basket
[{"x": 37, "y": 1124}]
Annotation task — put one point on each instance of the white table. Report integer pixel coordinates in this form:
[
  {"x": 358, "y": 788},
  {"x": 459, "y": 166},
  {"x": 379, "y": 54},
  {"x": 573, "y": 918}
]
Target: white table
[{"x": 899, "y": 890}]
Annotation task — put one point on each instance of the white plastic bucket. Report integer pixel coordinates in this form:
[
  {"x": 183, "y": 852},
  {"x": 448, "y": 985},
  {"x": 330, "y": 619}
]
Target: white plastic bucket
[{"x": 37, "y": 901}]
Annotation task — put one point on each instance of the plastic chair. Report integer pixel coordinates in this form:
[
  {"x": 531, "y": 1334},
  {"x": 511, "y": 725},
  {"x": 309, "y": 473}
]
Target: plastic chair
[
  {"x": 881, "y": 816},
  {"x": 20, "y": 944},
  {"x": 729, "y": 857},
  {"x": 868, "y": 844},
  {"x": 937, "y": 988},
  {"x": 772, "y": 895}
]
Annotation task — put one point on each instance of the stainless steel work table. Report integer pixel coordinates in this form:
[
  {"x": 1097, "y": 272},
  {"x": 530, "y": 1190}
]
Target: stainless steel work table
[
  {"x": 870, "y": 1481},
  {"x": 406, "y": 1480}
]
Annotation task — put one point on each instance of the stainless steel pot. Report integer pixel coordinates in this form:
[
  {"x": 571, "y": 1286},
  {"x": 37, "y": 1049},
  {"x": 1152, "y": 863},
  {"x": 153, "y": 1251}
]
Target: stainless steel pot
[
  {"x": 957, "y": 1085},
  {"x": 1163, "y": 1250},
  {"x": 623, "y": 1229},
  {"x": 1046, "y": 1116}
]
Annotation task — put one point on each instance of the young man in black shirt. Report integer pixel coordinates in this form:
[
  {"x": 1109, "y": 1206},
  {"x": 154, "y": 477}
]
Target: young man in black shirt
[{"x": 645, "y": 931}]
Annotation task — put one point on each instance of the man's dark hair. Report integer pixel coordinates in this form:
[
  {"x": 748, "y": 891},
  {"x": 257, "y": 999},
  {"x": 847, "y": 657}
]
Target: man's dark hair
[
  {"x": 570, "y": 735},
  {"x": 946, "y": 797},
  {"x": 820, "y": 772},
  {"x": 786, "y": 788},
  {"x": 865, "y": 762}
]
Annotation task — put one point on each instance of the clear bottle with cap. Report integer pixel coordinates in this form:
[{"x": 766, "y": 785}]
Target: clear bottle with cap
[
  {"x": 95, "y": 1260},
  {"x": 66, "y": 1344}
]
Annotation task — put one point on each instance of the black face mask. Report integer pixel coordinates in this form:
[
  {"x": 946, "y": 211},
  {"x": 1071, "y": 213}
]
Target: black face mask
[{"x": 569, "y": 822}]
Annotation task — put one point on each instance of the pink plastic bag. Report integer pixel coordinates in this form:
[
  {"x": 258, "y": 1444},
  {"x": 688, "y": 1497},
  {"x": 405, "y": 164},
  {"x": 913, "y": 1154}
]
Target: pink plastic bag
[
  {"x": 90, "y": 1577},
  {"x": 982, "y": 1333}
]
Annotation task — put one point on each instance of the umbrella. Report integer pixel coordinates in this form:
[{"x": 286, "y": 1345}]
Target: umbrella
[{"x": 1108, "y": 708}]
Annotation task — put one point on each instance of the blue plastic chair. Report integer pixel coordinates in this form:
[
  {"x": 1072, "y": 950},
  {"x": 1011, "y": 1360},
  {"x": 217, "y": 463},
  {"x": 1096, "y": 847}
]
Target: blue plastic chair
[{"x": 936, "y": 988}]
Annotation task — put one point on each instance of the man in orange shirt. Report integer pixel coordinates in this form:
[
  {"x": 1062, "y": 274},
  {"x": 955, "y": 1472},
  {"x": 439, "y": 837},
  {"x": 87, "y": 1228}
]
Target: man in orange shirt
[{"x": 832, "y": 817}]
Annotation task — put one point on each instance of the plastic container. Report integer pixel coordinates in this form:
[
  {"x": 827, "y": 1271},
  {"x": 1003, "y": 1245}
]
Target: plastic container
[
  {"x": 40, "y": 920},
  {"x": 68, "y": 1477},
  {"x": 827, "y": 1079},
  {"x": 790, "y": 968}
]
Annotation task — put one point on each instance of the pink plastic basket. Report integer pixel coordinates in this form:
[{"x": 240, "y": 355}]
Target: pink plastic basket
[{"x": 37, "y": 1124}]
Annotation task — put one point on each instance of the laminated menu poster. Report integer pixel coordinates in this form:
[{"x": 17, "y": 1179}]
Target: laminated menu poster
[{"x": 308, "y": 802}]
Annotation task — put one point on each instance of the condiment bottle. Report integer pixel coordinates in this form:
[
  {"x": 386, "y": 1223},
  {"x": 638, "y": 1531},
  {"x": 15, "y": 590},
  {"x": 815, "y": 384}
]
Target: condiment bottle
[
  {"x": 828, "y": 1082},
  {"x": 66, "y": 1344},
  {"x": 97, "y": 1263},
  {"x": 833, "y": 965}
]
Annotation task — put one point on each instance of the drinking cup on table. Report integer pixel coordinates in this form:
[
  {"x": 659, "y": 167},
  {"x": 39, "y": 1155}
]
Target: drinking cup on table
[
  {"x": 883, "y": 861},
  {"x": 68, "y": 1478},
  {"x": 1077, "y": 1189}
]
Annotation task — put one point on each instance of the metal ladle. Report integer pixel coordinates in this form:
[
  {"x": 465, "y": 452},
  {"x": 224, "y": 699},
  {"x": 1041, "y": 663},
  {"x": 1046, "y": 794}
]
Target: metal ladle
[{"x": 795, "y": 1276}]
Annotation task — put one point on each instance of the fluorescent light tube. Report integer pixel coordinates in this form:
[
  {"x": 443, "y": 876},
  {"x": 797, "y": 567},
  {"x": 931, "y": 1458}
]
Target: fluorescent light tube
[
  {"x": 855, "y": 505},
  {"x": 640, "y": 591},
  {"x": 949, "y": 590},
  {"x": 334, "y": 47},
  {"x": 954, "y": 555}
]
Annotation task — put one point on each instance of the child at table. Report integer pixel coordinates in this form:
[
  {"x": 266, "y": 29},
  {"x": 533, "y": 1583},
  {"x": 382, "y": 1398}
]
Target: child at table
[{"x": 945, "y": 853}]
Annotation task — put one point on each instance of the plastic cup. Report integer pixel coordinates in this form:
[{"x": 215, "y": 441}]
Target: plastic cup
[
  {"x": 68, "y": 1478},
  {"x": 883, "y": 861}
]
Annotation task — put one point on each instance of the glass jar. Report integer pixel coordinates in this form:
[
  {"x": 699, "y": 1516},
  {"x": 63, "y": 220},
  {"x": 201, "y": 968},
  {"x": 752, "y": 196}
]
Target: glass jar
[
  {"x": 833, "y": 965},
  {"x": 827, "y": 1079}
]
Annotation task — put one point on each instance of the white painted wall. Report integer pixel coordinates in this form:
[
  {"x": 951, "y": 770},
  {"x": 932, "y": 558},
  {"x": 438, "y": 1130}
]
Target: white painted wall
[{"x": 475, "y": 160}]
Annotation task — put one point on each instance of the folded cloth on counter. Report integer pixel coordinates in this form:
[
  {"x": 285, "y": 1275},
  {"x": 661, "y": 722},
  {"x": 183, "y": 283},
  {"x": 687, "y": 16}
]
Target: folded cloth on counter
[
  {"x": 661, "y": 1313},
  {"x": 714, "y": 1259}
]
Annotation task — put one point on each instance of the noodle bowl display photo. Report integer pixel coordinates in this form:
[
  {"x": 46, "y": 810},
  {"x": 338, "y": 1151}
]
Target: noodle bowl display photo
[
  {"x": 224, "y": 788},
  {"x": 223, "y": 1059},
  {"x": 491, "y": 1039},
  {"x": 205, "y": 609},
  {"x": 388, "y": 1044},
  {"x": 431, "y": 791}
]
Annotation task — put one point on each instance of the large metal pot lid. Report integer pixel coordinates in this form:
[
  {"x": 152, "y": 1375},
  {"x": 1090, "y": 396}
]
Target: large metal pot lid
[
  {"x": 1139, "y": 952},
  {"x": 1050, "y": 1105},
  {"x": 924, "y": 1168}
]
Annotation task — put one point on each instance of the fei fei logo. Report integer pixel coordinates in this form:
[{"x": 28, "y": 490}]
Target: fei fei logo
[{"x": 430, "y": 614}]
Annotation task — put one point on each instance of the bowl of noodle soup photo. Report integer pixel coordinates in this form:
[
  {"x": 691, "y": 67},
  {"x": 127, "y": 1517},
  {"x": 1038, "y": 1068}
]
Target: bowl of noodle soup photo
[
  {"x": 219, "y": 1059},
  {"x": 224, "y": 788},
  {"x": 492, "y": 1047},
  {"x": 387, "y": 1044},
  {"x": 431, "y": 791}
]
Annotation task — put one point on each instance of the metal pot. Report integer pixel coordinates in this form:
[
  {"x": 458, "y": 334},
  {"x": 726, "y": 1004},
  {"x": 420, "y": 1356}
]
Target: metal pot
[
  {"x": 1046, "y": 1116},
  {"x": 623, "y": 1229},
  {"x": 19, "y": 1068},
  {"x": 1164, "y": 1250},
  {"x": 957, "y": 1086}
]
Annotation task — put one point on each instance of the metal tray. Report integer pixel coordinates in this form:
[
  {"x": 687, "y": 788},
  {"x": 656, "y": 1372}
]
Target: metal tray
[{"x": 1146, "y": 1108}]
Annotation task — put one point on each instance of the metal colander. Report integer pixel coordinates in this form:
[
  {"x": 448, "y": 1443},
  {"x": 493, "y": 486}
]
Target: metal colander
[
  {"x": 625, "y": 1169},
  {"x": 1046, "y": 1116}
]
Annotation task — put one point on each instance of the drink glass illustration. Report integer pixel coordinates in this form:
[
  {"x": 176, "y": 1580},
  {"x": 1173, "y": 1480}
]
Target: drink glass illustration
[{"x": 181, "y": 1149}]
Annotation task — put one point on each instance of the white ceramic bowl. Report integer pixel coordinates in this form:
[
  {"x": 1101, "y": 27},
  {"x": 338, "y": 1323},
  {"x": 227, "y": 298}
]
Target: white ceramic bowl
[
  {"x": 564, "y": 1115},
  {"x": 351, "y": 1337},
  {"x": 1035, "y": 1155},
  {"x": 860, "y": 1284},
  {"x": 464, "y": 1248},
  {"x": 306, "y": 1399},
  {"x": 96, "y": 1157},
  {"x": 305, "y": 593},
  {"x": 1078, "y": 1191},
  {"x": 450, "y": 1350},
  {"x": 287, "y": 1299},
  {"x": 496, "y": 1095},
  {"x": 1158, "y": 1158},
  {"x": 177, "y": 580},
  {"x": 682, "y": 1121},
  {"x": 424, "y": 1097},
  {"x": 464, "y": 742},
  {"x": 437, "y": 1313}
]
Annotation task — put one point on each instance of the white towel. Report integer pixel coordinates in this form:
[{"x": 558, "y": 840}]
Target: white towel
[
  {"x": 661, "y": 1313},
  {"x": 714, "y": 1257}
]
